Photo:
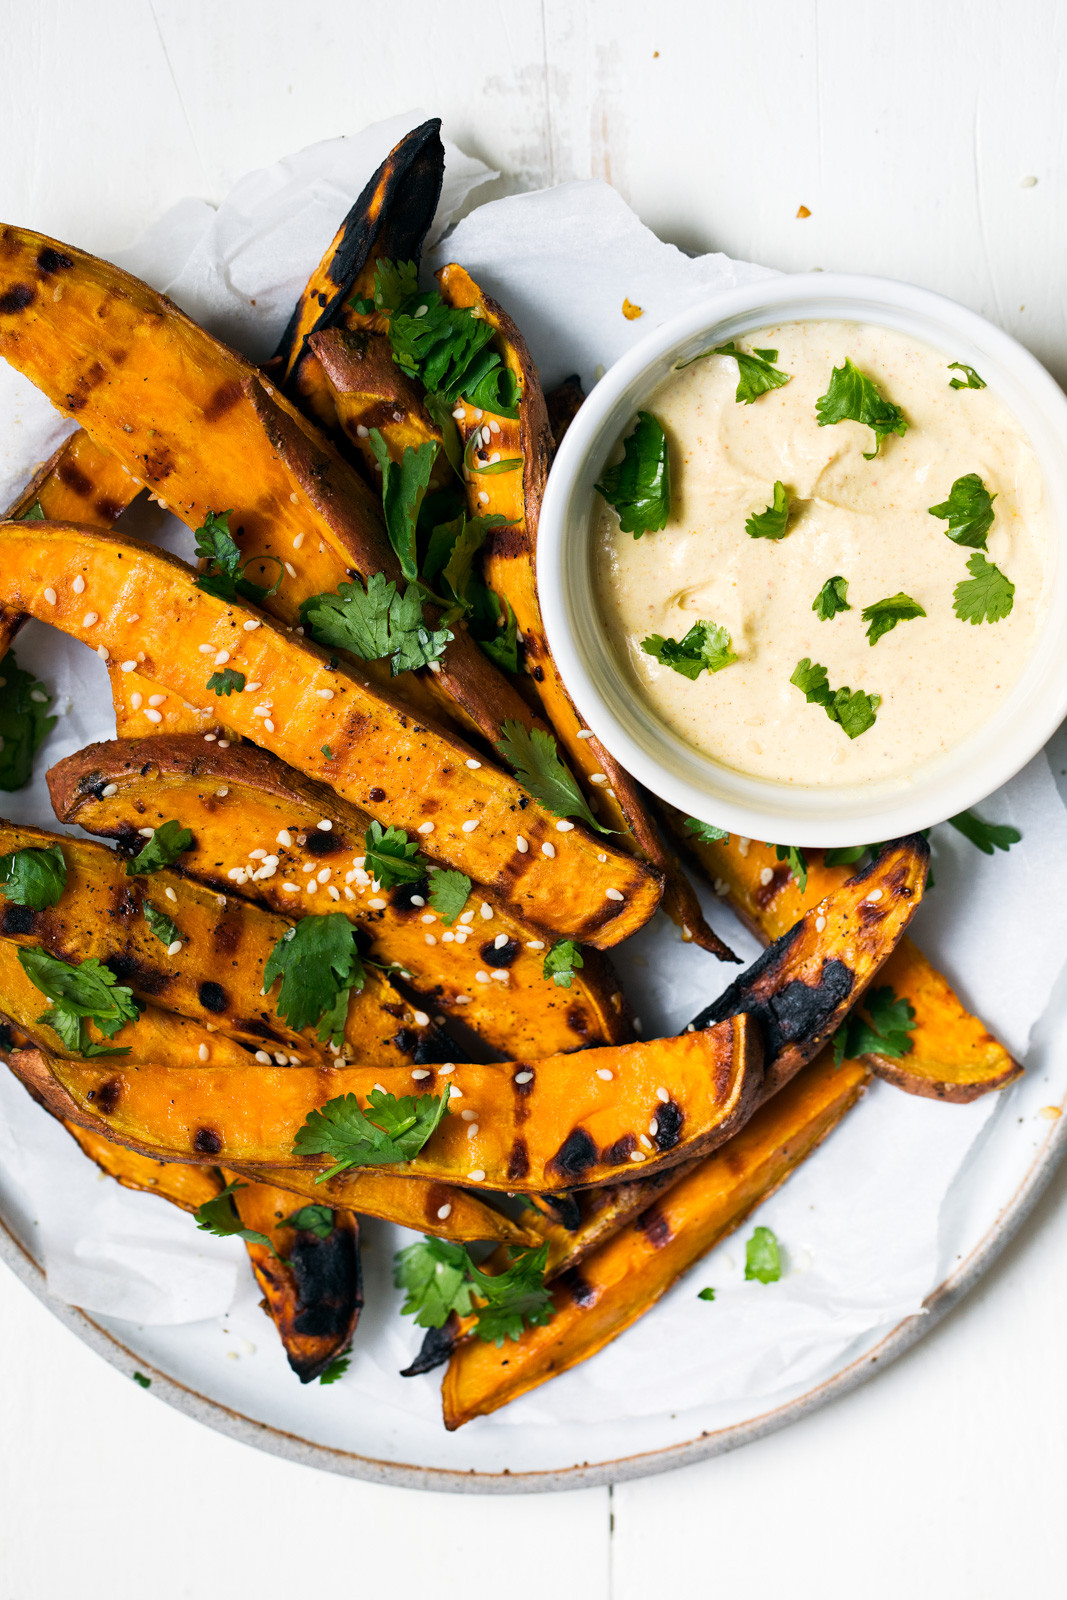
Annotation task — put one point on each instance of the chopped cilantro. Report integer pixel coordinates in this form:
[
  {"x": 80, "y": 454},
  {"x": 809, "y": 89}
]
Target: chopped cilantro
[
  {"x": 883, "y": 1031},
  {"x": 705, "y": 832},
  {"x": 445, "y": 347},
  {"x": 798, "y": 863},
  {"x": 845, "y": 855},
  {"x": 226, "y": 682},
  {"x": 139, "y": 1378},
  {"x": 855, "y": 710},
  {"x": 34, "y": 878},
  {"x": 639, "y": 486},
  {"x": 562, "y": 961},
  {"x": 968, "y": 511},
  {"x": 220, "y": 1217},
  {"x": 763, "y": 1258},
  {"x": 773, "y": 523},
  {"x": 87, "y": 992},
  {"x": 883, "y": 615},
  {"x": 706, "y": 1294},
  {"x": 987, "y": 596},
  {"x": 24, "y": 722},
  {"x": 361, "y": 305},
  {"x": 449, "y": 891},
  {"x": 535, "y": 758},
  {"x": 34, "y": 514},
  {"x": 318, "y": 963},
  {"x": 756, "y": 372},
  {"x": 391, "y": 1132},
  {"x": 439, "y": 1278},
  {"x": 376, "y": 623},
  {"x": 831, "y": 599},
  {"x": 970, "y": 380},
  {"x": 705, "y": 648},
  {"x": 224, "y": 576},
  {"x": 162, "y": 850},
  {"x": 336, "y": 1369},
  {"x": 988, "y": 836},
  {"x": 312, "y": 1219},
  {"x": 404, "y": 483},
  {"x": 853, "y": 397},
  {"x": 394, "y": 282},
  {"x": 161, "y": 925},
  {"x": 391, "y": 857},
  {"x": 327, "y": 752}
]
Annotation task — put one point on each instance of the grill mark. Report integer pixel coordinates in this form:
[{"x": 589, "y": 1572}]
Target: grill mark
[
  {"x": 655, "y": 1227},
  {"x": 17, "y": 298},
  {"x": 578, "y": 1021},
  {"x": 107, "y": 1096},
  {"x": 620, "y": 1151},
  {"x": 227, "y": 935},
  {"x": 518, "y": 1160},
  {"x": 110, "y": 510},
  {"x": 75, "y": 479},
  {"x": 17, "y": 919},
  {"x": 322, "y": 843},
  {"x": 213, "y": 997},
  {"x": 580, "y": 1289},
  {"x": 669, "y": 1119},
  {"x": 565, "y": 1209},
  {"x": 51, "y": 260},
  {"x": 223, "y": 400},
  {"x": 406, "y": 1041},
  {"x": 130, "y": 970},
  {"x": 207, "y": 1141},
  {"x": 766, "y": 892},
  {"x": 504, "y": 957},
  {"x": 327, "y": 1282},
  {"x": 575, "y": 1155}
]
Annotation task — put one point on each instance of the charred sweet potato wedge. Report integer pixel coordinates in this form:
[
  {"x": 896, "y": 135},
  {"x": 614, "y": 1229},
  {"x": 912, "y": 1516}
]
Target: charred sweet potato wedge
[
  {"x": 79, "y": 482},
  {"x": 540, "y": 1126},
  {"x": 216, "y": 977},
  {"x": 402, "y": 772},
  {"x": 312, "y": 1287},
  {"x": 953, "y": 1057},
  {"x": 803, "y": 986},
  {"x": 183, "y": 1184},
  {"x": 623, "y": 1279},
  {"x": 510, "y": 565}
]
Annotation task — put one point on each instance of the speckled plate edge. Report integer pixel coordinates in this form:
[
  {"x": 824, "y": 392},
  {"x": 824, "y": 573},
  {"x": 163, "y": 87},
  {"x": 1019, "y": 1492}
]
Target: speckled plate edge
[{"x": 583, "y": 1475}]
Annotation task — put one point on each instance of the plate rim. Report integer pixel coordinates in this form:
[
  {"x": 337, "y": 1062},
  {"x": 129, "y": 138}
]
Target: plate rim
[{"x": 277, "y": 1441}]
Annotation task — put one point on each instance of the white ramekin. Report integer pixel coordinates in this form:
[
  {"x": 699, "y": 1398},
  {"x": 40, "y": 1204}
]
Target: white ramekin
[{"x": 755, "y": 807}]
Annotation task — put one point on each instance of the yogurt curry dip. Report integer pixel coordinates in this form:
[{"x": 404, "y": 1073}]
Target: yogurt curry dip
[{"x": 810, "y": 598}]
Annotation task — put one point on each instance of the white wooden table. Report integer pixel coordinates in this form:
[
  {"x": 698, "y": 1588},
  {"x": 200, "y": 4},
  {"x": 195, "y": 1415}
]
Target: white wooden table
[{"x": 928, "y": 143}]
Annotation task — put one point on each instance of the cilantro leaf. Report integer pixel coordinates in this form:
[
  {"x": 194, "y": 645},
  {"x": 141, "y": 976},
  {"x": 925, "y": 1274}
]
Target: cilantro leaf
[
  {"x": 562, "y": 961},
  {"x": 853, "y": 709},
  {"x": 318, "y": 963},
  {"x": 987, "y": 596},
  {"x": 756, "y": 372},
  {"x": 223, "y": 579},
  {"x": 970, "y": 380},
  {"x": 85, "y": 991},
  {"x": 394, "y": 282},
  {"x": 361, "y": 305},
  {"x": 515, "y": 1299},
  {"x": 774, "y": 522},
  {"x": 336, "y": 1369},
  {"x": 845, "y": 855},
  {"x": 798, "y": 863},
  {"x": 312, "y": 1219},
  {"x": 375, "y": 623},
  {"x": 404, "y": 483},
  {"x": 434, "y": 1274},
  {"x": 535, "y": 758},
  {"x": 705, "y": 832},
  {"x": 502, "y": 644},
  {"x": 24, "y": 722},
  {"x": 392, "y": 1131},
  {"x": 853, "y": 397},
  {"x": 220, "y": 1217},
  {"x": 988, "y": 836},
  {"x": 831, "y": 599},
  {"x": 497, "y": 390},
  {"x": 140, "y": 1379},
  {"x": 884, "y": 1031},
  {"x": 161, "y": 925},
  {"x": 968, "y": 511},
  {"x": 391, "y": 858},
  {"x": 763, "y": 1258},
  {"x": 34, "y": 514},
  {"x": 162, "y": 850},
  {"x": 439, "y": 1278},
  {"x": 883, "y": 615},
  {"x": 706, "y": 1294},
  {"x": 226, "y": 682},
  {"x": 449, "y": 891},
  {"x": 34, "y": 878},
  {"x": 705, "y": 648},
  {"x": 445, "y": 347},
  {"x": 639, "y": 486}
]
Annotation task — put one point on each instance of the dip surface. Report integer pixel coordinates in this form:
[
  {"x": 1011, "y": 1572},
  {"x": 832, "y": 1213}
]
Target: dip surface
[{"x": 938, "y": 677}]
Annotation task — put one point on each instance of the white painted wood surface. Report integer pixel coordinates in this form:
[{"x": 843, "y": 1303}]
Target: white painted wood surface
[{"x": 914, "y": 134}]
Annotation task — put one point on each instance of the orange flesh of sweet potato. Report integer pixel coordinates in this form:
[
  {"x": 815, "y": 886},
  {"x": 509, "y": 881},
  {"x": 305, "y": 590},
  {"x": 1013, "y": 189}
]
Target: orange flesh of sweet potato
[
  {"x": 79, "y": 482},
  {"x": 182, "y": 1183},
  {"x": 216, "y": 977},
  {"x": 623, "y": 1279},
  {"x": 239, "y": 800},
  {"x": 563, "y": 1124},
  {"x": 954, "y": 1057},
  {"x": 402, "y": 772},
  {"x": 510, "y": 564}
]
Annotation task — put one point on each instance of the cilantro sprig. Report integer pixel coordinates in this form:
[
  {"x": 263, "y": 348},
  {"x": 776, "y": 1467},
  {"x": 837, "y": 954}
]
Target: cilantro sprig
[
  {"x": 445, "y": 347},
  {"x": 772, "y": 523},
  {"x": 639, "y": 486},
  {"x": 987, "y": 596},
  {"x": 707, "y": 647},
  {"x": 534, "y": 756},
  {"x": 165, "y": 930},
  {"x": 318, "y": 962},
  {"x": 440, "y": 1278},
  {"x": 988, "y": 836},
  {"x": 883, "y": 615},
  {"x": 312, "y": 1219},
  {"x": 376, "y": 623},
  {"x": 562, "y": 961},
  {"x": 404, "y": 483},
  {"x": 390, "y": 1132},
  {"x": 34, "y": 878},
  {"x": 169, "y": 841},
  {"x": 449, "y": 892},
  {"x": 756, "y": 371},
  {"x": 854, "y": 710},
  {"x": 831, "y": 598},
  {"x": 705, "y": 832},
  {"x": 968, "y": 511},
  {"x": 80, "y": 994},
  {"x": 391, "y": 857},
  {"x": 220, "y": 1217},
  {"x": 798, "y": 863},
  {"x": 853, "y": 397},
  {"x": 24, "y": 722},
  {"x": 883, "y": 1028},
  {"x": 224, "y": 577}
]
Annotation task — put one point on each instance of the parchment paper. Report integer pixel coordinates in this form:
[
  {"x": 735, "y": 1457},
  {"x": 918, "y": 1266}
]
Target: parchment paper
[{"x": 866, "y": 1225}]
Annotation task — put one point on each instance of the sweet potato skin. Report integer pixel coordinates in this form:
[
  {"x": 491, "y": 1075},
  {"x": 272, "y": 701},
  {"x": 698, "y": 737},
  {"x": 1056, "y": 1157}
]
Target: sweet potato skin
[
  {"x": 953, "y": 1058},
  {"x": 379, "y": 759},
  {"x": 623, "y": 1279},
  {"x": 243, "y": 799},
  {"x": 565, "y": 1125}
]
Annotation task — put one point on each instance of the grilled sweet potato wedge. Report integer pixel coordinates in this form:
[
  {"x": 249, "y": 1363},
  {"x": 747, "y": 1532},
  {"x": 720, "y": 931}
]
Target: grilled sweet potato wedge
[
  {"x": 574, "y": 885},
  {"x": 624, "y": 1278},
  {"x": 181, "y": 1183},
  {"x": 954, "y": 1057},
  {"x": 801, "y": 988},
  {"x": 79, "y": 482},
  {"x": 540, "y": 1126},
  {"x": 238, "y": 800},
  {"x": 216, "y": 977}
]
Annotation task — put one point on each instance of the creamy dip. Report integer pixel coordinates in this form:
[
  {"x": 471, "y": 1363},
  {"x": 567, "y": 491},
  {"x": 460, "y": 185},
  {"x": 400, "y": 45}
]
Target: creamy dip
[{"x": 867, "y": 521}]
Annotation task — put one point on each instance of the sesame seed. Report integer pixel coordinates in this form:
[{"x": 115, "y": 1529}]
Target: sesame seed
[
  {"x": 430, "y": 916},
  {"x": 290, "y": 569},
  {"x": 653, "y": 1127},
  {"x": 486, "y": 435},
  {"x": 250, "y": 688},
  {"x": 312, "y": 886},
  {"x": 481, "y": 976},
  {"x": 221, "y": 658},
  {"x": 483, "y": 498},
  {"x": 238, "y": 874},
  {"x": 251, "y": 625},
  {"x": 662, "y": 1095},
  {"x": 636, "y": 1155},
  {"x": 487, "y": 911},
  {"x": 549, "y": 849},
  {"x": 263, "y": 1058},
  {"x": 500, "y": 975},
  {"x": 109, "y": 789},
  {"x": 209, "y": 738},
  {"x": 563, "y": 826},
  {"x": 602, "y": 857},
  {"x": 421, "y": 1019},
  {"x": 535, "y": 944},
  {"x": 156, "y": 699},
  {"x": 637, "y": 1025},
  {"x": 154, "y": 716},
  {"x": 50, "y": 596},
  {"x": 325, "y": 824},
  {"x": 417, "y": 900},
  {"x": 170, "y": 894},
  {"x": 585, "y": 733},
  {"x": 224, "y": 790},
  {"x": 203, "y": 1052},
  {"x": 721, "y": 887},
  {"x": 462, "y": 1000},
  {"x": 820, "y": 923},
  {"x": 605, "y": 1073},
  {"x": 467, "y": 916},
  {"x": 521, "y": 845},
  {"x": 615, "y": 894},
  {"x": 89, "y": 618},
  {"x": 377, "y": 903},
  {"x": 220, "y": 899},
  {"x": 470, "y": 825},
  {"x": 79, "y": 584},
  {"x": 206, "y": 649},
  {"x": 443, "y": 1212},
  {"x": 500, "y": 941},
  {"x": 174, "y": 946},
  {"x": 324, "y": 694},
  {"x": 474, "y": 765},
  {"x": 434, "y": 666},
  {"x": 291, "y": 888},
  {"x": 766, "y": 875},
  {"x": 448, "y": 938},
  {"x": 135, "y": 701},
  {"x": 425, "y": 828},
  {"x": 473, "y": 1131},
  {"x": 875, "y": 894},
  {"x": 325, "y": 874},
  {"x": 268, "y": 724},
  {"x": 256, "y": 855},
  {"x": 460, "y": 936},
  {"x": 146, "y": 833},
  {"x": 646, "y": 1141},
  {"x": 420, "y": 1073},
  {"x": 309, "y": 866},
  {"x": 598, "y": 777}
]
